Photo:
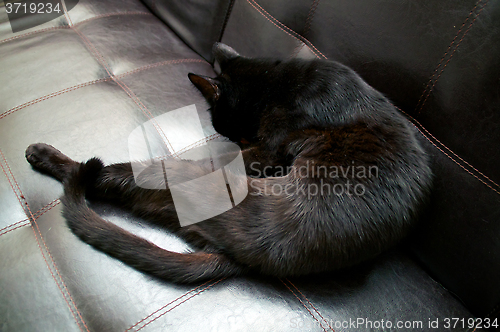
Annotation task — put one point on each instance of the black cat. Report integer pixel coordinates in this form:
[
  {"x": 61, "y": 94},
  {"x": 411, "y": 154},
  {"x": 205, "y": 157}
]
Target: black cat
[{"x": 350, "y": 173}]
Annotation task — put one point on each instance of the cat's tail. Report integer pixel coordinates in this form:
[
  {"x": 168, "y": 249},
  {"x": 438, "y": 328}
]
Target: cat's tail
[{"x": 129, "y": 248}]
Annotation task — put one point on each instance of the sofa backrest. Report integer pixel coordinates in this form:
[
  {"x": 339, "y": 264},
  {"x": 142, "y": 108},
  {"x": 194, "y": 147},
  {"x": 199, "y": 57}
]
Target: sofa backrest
[
  {"x": 198, "y": 23},
  {"x": 439, "y": 62}
]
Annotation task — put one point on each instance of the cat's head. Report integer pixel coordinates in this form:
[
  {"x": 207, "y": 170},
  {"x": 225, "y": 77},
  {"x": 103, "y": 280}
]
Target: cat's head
[
  {"x": 211, "y": 87},
  {"x": 237, "y": 96}
]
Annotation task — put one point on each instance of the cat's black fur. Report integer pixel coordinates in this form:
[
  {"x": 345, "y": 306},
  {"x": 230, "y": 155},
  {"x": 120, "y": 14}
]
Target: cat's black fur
[{"x": 295, "y": 113}]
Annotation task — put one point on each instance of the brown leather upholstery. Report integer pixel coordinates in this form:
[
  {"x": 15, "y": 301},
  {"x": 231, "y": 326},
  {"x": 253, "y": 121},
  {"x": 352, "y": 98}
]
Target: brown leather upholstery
[{"x": 85, "y": 80}]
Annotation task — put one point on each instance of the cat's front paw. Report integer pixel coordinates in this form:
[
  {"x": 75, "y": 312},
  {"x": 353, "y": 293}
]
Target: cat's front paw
[{"x": 49, "y": 160}]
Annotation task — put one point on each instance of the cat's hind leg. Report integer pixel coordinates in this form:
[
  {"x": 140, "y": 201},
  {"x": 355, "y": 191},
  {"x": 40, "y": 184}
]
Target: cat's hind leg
[
  {"x": 130, "y": 249},
  {"x": 47, "y": 159},
  {"x": 115, "y": 183}
]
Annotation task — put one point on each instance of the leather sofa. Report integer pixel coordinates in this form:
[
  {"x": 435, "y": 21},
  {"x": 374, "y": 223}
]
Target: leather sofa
[{"x": 85, "y": 80}]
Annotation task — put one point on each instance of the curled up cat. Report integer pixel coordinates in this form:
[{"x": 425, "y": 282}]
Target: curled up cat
[{"x": 351, "y": 173}]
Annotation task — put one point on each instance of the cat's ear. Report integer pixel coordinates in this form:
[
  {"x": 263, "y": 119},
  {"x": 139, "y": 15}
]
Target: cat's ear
[
  {"x": 207, "y": 86},
  {"x": 223, "y": 54}
]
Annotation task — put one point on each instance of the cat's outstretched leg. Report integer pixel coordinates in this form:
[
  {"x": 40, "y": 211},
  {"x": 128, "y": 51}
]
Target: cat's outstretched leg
[
  {"x": 47, "y": 159},
  {"x": 115, "y": 182},
  {"x": 129, "y": 248},
  {"x": 118, "y": 184}
]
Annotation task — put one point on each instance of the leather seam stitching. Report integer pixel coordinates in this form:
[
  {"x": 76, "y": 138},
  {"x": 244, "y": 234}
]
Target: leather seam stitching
[
  {"x": 14, "y": 224},
  {"x": 51, "y": 95},
  {"x": 81, "y": 85},
  {"x": 101, "y": 59},
  {"x": 427, "y": 91},
  {"x": 417, "y": 125},
  {"x": 310, "y": 17},
  {"x": 304, "y": 305},
  {"x": 68, "y": 27},
  {"x": 284, "y": 28},
  {"x": 33, "y": 33},
  {"x": 316, "y": 310},
  {"x": 198, "y": 143},
  {"x": 175, "y": 306},
  {"x": 20, "y": 197},
  {"x": 26, "y": 222},
  {"x": 307, "y": 26},
  {"x": 113, "y": 14},
  {"x": 93, "y": 50}
]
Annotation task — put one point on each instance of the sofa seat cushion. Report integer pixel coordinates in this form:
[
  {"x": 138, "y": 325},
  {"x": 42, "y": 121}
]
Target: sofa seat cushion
[{"x": 83, "y": 83}]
